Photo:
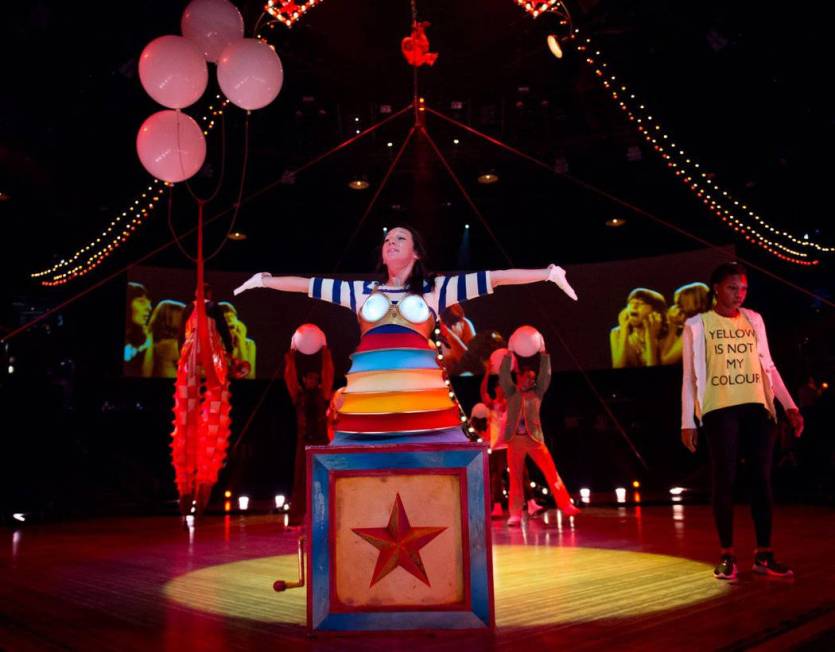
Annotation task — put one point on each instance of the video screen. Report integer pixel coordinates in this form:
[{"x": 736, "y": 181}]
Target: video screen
[{"x": 630, "y": 314}]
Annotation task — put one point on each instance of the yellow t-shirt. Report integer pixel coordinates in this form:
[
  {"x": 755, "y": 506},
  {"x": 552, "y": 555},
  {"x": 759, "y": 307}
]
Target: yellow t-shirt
[{"x": 734, "y": 373}]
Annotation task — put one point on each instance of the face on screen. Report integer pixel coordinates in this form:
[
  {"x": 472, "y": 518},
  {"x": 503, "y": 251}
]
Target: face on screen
[
  {"x": 140, "y": 309},
  {"x": 638, "y": 311}
]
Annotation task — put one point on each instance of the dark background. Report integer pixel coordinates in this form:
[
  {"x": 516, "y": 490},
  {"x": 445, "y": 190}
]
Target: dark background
[{"x": 737, "y": 83}]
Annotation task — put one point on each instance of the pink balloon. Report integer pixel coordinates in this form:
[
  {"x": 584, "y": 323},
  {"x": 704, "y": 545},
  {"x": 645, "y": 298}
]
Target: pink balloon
[
  {"x": 249, "y": 73},
  {"x": 496, "y": 361},
  {"x": 171, "y": 146},
  {"x": 212, "y": 25},
  {"x": 526, "y": 341},
  {"x": 173, "y": 71},
  {"x": 308, "y": 339}
]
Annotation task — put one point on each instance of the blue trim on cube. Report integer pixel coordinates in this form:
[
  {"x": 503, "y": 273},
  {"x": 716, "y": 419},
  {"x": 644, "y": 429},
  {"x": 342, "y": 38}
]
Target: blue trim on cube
[{"x": 384, "y": 458}]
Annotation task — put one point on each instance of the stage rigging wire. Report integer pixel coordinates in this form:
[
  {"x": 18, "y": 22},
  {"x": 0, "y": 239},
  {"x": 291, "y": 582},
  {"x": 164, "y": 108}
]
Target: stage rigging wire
[{"x": 419, "y": 109}]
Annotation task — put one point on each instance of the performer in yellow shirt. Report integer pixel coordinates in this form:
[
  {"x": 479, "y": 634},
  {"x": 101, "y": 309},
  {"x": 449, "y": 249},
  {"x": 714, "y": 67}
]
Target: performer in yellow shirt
[{"x": 730, "y": 383}]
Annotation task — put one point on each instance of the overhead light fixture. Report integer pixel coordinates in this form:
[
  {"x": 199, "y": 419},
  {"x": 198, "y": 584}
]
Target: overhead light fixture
[
  {"x": 554, "y": 45},
  {"x": 358, "y": 184},
  {"x": 237, "y": 235},
  {"x": 615, "y": 222},
  {"x": 488, "y": 177}
]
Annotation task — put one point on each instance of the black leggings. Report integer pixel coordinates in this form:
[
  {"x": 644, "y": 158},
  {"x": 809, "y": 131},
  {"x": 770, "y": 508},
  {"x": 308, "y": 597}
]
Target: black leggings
[{"x": 747, "y": 426}]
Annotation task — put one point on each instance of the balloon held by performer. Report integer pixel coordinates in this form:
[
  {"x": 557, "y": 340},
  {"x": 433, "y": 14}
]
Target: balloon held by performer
[{"x": 396, "y": 386}]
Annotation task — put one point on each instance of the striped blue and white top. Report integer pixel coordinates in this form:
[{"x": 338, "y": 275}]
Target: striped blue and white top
[{"x": 444, "y": 292}]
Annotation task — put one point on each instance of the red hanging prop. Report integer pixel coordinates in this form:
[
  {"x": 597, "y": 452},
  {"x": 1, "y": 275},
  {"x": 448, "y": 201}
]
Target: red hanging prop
[
  {"x": 416, "y": 47},
  {"x": 201, "y": 402}
]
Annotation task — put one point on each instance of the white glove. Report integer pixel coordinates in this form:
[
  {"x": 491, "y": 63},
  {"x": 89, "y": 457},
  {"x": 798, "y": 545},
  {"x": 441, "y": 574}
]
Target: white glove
[
  {"x": 256, "y": 281},
  {"x": 556, "y": 275}
]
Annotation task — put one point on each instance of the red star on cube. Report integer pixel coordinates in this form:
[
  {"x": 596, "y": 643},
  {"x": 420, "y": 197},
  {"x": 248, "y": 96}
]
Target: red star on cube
[{"x": 399, "y": 544}]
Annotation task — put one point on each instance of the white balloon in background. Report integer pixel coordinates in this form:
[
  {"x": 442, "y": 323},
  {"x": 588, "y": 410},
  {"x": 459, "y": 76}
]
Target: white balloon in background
[{"x": 249, "y": 73}]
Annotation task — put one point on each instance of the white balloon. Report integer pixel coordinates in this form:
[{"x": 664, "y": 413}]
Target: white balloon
[
  {"x": 173, "y": 71},
  {"x": 212, "y": 25},
  {"x": 308, "y": 339},
  {"x": 249, "y": 73},
  {"x": 526, "y": 341},
  {"x": 496, "y": 360},
  {"x": 171, "y": 146},
  {"x": 479, "y": 411}
]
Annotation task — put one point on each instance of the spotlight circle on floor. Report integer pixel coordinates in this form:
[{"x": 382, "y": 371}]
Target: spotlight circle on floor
[{"x": 575, "y": 585}]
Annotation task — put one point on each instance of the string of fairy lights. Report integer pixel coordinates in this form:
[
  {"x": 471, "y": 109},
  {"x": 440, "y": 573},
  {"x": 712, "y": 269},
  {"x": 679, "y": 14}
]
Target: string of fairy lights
[
  {"x": 121, "y": 227},
  {"x": 735, "y": 214},
  {"x": 288, "y": 12},
  {"x": 462, "y": 415},
  {"x": 536, "y": 9}
]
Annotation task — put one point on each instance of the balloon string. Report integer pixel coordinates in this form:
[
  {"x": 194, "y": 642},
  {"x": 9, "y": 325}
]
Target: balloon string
[
  {"x": 159, "y": 249},
  {"x": 214, "y": 194},
  {"x": 176, "y": 237},
  {"x": 544, "y": 315},
  {"x": 237, "y": 205}
]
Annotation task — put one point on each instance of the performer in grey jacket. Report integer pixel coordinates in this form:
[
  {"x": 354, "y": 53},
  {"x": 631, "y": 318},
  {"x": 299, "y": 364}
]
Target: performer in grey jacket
[{"x": 523, "y": 434}]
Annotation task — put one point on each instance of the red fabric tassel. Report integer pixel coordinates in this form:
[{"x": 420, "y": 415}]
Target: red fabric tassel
[{"x": 201, "y": 413}]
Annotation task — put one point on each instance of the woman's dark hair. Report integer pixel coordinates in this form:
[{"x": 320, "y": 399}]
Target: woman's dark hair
[
  {"x": 420, "y": 275},
  {"x": 134, "y": 334},
  {"x": 732, "y": 268},
  {"x": 654, "y": 299},
  {"x": 226, "y": 308},
  {"x": 167, "y": 319},
  {"x": 657, "y": 302}
]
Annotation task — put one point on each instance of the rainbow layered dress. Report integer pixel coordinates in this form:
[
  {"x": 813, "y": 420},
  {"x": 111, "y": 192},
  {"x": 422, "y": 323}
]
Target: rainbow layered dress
[{"x": 396, "y": 388}]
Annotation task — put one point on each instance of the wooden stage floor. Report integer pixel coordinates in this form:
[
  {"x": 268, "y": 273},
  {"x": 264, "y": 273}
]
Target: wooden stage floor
[{"x": 620, "y": 579}]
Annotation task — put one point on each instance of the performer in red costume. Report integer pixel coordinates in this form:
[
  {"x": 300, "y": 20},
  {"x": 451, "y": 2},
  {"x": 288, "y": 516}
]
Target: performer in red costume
[
  {"x": 311, "y": 398},
  {"x": 396, "y": 390}
]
